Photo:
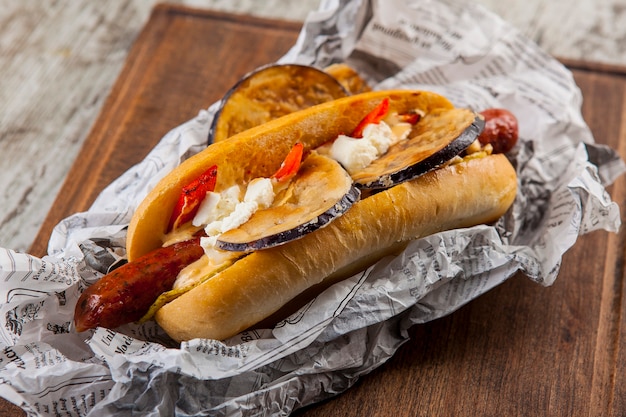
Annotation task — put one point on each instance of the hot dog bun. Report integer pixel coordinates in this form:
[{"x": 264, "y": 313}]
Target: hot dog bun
[
  {"x": 461, "y": 195},
  {"x": 272, "y": 281}
]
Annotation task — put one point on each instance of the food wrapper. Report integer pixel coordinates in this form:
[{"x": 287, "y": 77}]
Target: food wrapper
[{"x": 457, "y": 49}]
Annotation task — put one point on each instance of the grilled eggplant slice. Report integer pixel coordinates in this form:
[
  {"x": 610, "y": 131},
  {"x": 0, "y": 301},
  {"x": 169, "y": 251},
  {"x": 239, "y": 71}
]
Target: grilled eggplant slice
[
  {"x": 438, "y": 137},
  {"x": 320, "y": 192},
  {"x": 271, "y": 92}
]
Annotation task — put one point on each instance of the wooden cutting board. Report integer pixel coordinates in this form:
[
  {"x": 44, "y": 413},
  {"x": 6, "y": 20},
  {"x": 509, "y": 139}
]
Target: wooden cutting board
[{"x": 518, "y": 350}]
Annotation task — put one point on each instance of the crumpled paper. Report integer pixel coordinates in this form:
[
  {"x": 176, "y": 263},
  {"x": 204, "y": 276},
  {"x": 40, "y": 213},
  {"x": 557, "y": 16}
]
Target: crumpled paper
[{"x": 458, "y": 49}]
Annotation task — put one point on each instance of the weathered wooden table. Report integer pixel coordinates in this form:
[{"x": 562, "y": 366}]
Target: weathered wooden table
[{"x": 518, "y": 350}]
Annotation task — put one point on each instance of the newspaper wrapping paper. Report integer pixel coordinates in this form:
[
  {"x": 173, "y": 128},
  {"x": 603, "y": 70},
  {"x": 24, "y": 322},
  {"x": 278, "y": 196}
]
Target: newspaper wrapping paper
[{"x": 458, "y": 49}]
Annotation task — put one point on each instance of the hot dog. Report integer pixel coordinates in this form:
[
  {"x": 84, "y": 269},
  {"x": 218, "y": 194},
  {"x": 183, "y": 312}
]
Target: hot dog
[
  {"x": 430, "y": 182},
  {"x": 136, "y": 285}
]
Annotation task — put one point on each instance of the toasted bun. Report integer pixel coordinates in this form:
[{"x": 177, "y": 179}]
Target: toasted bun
[{"x": 261, "y": 284}]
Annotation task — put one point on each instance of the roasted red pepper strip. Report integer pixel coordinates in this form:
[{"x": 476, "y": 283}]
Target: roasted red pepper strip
[
  {"x": 373, "y": 117},
  {"x": 411, "y": 118},
  {"x": 125, "y": 294},
  {"x": 191, "y": 197},
  {"x": 291, "y": 164}
]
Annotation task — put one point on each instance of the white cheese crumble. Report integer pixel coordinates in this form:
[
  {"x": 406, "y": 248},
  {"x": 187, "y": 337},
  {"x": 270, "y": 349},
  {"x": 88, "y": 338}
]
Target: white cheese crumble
[
  {"x": 261, "y": 191},
  {"x": 242, "y": 213},
  {"x": 216, "y": 206},
  {"x": 355, "y": 154},
  {"x": 221, "y": 212}
]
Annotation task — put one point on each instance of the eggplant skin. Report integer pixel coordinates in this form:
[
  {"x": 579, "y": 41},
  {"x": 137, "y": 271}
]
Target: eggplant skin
[{"x": 270, "y": 92}]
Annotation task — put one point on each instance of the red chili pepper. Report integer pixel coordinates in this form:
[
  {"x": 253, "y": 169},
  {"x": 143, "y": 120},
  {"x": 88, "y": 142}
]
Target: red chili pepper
[
  {"x": 373, "y": 117},
  {"x": 191, "y": 196},
  {"x": 291, "y": 164}
]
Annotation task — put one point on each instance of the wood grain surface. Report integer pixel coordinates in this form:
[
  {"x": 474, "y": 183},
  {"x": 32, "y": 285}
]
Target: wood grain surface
[{"x": 519, "y": 350}]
